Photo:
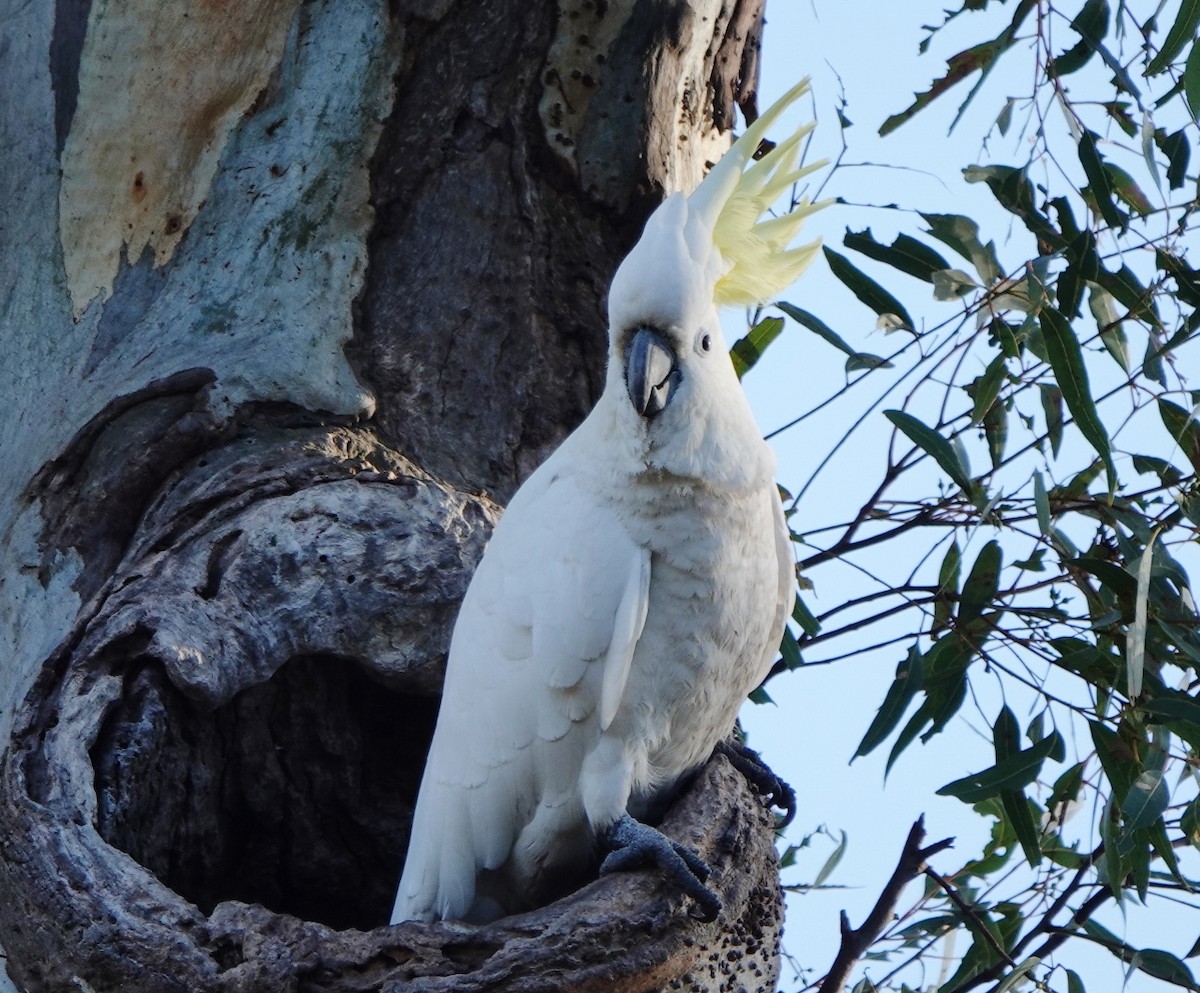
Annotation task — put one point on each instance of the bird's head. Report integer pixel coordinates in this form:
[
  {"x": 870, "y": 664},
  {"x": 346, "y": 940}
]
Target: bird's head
[{"x": 668, "y": 360}]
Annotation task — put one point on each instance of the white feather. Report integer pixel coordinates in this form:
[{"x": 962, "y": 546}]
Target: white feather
[{"x": 633, "y": 593}]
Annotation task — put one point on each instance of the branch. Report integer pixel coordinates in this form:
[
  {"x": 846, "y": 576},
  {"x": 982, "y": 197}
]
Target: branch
[
  {"x": 977, "y": 923},
  {"x": 856, "y": 941}
]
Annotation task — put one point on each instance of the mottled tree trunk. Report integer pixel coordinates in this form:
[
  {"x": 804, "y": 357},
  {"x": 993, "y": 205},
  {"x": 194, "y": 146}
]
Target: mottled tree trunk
[{"x": 293, "y": 294}]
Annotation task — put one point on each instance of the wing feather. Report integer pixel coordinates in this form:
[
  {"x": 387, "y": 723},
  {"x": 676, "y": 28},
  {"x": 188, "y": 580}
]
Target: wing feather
[
  {"x": 630, "y": 620},
  {"x": 540, "y": 655}
]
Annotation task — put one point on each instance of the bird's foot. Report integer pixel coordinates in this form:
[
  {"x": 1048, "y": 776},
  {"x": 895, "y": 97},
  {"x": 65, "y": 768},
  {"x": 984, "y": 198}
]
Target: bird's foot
[
  {"x": 632, "y": 844},
  {"x": 758, "y": 774}
]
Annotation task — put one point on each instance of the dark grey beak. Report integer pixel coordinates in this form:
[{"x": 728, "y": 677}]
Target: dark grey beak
[{"x": 651, "y": 372}]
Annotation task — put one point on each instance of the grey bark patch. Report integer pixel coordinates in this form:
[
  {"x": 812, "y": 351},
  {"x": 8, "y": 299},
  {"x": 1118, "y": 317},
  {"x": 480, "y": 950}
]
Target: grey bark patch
[
  {"x": 135, "y": 288},
  {"x": 66, "y": 46}
]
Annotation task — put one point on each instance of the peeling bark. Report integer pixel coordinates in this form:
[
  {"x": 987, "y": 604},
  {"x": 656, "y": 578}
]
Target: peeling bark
[{"x": 228, "y": 568}]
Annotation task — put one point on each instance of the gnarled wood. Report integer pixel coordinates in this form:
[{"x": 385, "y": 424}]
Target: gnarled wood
[{"x": 230, "y": 572}]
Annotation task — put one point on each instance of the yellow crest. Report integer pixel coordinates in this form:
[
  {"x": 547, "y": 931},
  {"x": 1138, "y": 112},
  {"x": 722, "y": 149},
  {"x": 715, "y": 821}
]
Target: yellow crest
[{"x": 735, "y": 196}]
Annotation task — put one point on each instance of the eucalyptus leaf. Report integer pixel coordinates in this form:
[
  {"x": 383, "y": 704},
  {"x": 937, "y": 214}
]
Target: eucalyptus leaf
[
  {"x": 1014, "y": 773},
  {"x": 1041, "y": 503},
  {"x": 831, "y": 863},
  {"x": 1136, "y": 641},
  {"x": 865, "y": 288},
  {"x": 928, "y": 440},
  {"x": 1066, "y": 360},
  {"x": 899, "y": 695},
  {"x": 748, "y": 350},
  {"x": 1146, "y": 800},
  {"x": 1183, "y": 30},
  {"x": 1191, "y": 80},
  {"x": 817, "y": 326},
  {"x": 962, "y": 234},
  {"x": 904, "y": 253}
]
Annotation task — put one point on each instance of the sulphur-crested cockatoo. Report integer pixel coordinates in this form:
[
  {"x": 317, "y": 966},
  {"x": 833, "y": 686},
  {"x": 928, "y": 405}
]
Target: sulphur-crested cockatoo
[{"x": 635, "y": 590}]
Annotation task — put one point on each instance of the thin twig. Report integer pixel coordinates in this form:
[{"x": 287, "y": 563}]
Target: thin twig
[
  {"x": 856, "y": 941},
  {"x": 977, "y": 923}
]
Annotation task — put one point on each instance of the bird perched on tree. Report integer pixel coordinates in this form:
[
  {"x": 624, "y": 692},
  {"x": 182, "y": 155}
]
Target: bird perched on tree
[{"x": 635, "y": 590}]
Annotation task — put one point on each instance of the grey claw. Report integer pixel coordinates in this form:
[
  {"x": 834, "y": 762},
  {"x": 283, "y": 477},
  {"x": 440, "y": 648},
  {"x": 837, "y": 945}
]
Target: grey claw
[{"x": 632, "y": 844}]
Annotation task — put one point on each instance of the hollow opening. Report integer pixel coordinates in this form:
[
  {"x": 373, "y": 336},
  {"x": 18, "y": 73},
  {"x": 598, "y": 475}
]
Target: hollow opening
[{"x": 297, "y": 794}]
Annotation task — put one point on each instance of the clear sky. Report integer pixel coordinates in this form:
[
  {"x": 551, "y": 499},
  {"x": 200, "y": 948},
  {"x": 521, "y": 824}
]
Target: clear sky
[{"x": 866, "y": 51}]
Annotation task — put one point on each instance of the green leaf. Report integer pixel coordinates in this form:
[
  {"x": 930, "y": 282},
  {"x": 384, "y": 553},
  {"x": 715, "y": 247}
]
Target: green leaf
[
  {"x": 905, "y": 253},
  {"x": 986, "y": 388},
  {"x": 1098, "y": 179},
  {"x": 865, "y": 360},
  {"x": 1182, "y": 31},
  {"x": 1066, "y": 360},
  {"x": 1145, "y": 801},
  {"x": 947, "y": 590},
  {"x": 1183, "y": 428},
  {"x": 748, "y": 350},
  {"x": 1014, "y": 773},
  {"x": 1116, "y": 759},
  {"x": 1167, "y": 474},
  {"x": 1004, "y": 118},
  {"x": 1165, "y": 850},
  {"x": 1122, "y": 585},
  {"x": 1041, "y": 502},
  {"x": 895, "y": 702},
  {"x": 1127, "y": 288},
  {"x": 1176, "y": 146},
  {"x": 981, "y": 585},
  {"x": 1083, "y": 265},
  {"x": 1016, "y": 807},
  {"x": 995, "y": 430},
  {"x": 789, "y": 650},
  {"x": 952, "y": 284},
  {"x": 1017, "y": 976},
  {"x": 930, "y": 441},
  {"x": 1012, "y": 188},
  {"x": 831, "y": 863},
  {"x": 1103, "y": 307},
  {"x": 1091, "y": 23},
  {"x": 1191, "y": 82},
  {"x": 865, "y": 288},
  {"x": 805, "y": 617},
  {"x": 1128, "y": 191},
  {"x": 1033, "y": 563},
  {"x": 817, "y": 326},
  {"x": 1136, "y": 640},
  {"x": 1074, "y": 983},
  {"x": 1066, "y": 788},
  {"x": 958, "y": 67},
  {"x": 1187, "y": 279},
  {"x": 1052, "y": 410},
  {"x": 944, "y": 670},
  {"x": 1163, "y": 965},
  {"x": 1189, "y": 823},
  {"x": 962, "y": 234},
  {"x": 1111, "y": 866},
  {"x": 1174, "y": 705}
]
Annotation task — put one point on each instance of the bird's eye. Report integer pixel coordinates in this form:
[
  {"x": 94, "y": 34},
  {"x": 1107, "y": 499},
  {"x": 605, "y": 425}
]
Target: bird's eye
[{"x": 706, "y": 343}]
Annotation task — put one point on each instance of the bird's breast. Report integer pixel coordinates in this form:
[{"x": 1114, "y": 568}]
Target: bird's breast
[{"x": 712, "y": 605}]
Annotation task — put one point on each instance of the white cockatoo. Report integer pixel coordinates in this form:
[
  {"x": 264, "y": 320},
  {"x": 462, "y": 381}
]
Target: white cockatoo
[{"x": 635, "y": 590}]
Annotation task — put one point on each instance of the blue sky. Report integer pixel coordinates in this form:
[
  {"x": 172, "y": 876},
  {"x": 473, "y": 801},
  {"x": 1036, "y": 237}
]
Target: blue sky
[{"x": 867, "y": 52}]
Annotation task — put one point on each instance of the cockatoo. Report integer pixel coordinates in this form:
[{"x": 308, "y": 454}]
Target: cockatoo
[{"x": 636, "y": 588}]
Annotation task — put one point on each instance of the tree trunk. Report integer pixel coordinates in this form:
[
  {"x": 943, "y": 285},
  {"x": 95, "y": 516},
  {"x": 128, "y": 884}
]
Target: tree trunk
[{"x": 292, "y": 292}]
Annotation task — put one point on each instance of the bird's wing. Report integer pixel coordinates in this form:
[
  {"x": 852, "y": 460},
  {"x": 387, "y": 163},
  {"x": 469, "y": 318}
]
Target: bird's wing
[
  {"x": 786, "y": 589},
  {"x": 538, "y": 661}
]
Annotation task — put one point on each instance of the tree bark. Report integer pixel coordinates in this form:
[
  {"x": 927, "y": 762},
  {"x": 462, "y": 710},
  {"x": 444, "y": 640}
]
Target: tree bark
[{"x": 293, "y": 292}]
